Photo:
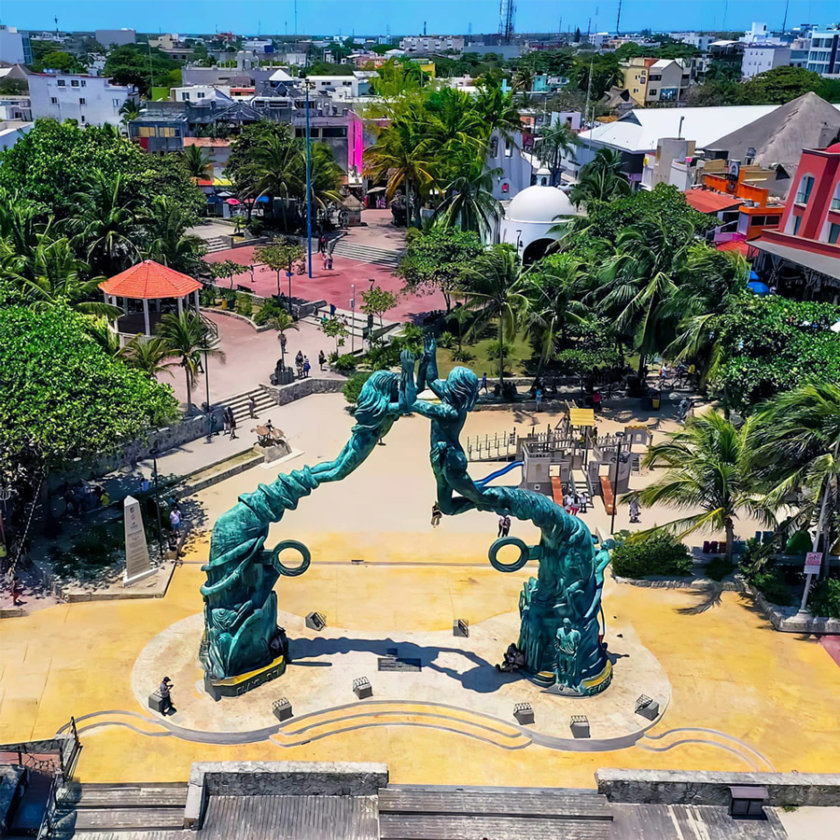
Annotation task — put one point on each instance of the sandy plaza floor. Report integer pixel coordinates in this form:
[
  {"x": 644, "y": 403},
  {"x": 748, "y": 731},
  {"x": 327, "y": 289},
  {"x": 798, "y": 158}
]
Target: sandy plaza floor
[{"x": 735, "y": 694}]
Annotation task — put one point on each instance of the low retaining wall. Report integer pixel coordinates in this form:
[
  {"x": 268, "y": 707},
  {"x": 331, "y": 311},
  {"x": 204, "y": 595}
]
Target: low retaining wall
[
  {"x": 787, "y": 620},
  {"x": 250, "y": 778},
  {"x": 678, "y": 787},
  {"x": 304, "y": 388}
]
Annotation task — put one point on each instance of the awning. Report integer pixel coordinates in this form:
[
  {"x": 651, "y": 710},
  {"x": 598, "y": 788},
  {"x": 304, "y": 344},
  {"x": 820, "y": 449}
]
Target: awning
[
  {"x": 233, "y": 202},
  {"x": 830, "y": 266}
]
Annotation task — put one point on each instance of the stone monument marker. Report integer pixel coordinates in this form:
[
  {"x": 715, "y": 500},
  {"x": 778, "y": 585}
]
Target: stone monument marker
[{"x": 137, "y": 562}]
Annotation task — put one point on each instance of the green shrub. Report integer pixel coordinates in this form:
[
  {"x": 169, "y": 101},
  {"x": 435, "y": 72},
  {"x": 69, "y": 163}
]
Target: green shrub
[
  {"x": 656, "y": 554},
  {"x": 494, "y": 349},
  {"x": 353, "y": 386},
  {"x": 446, "y": 340},
  {"x": 244, "y": 304},
  {"x": 799, "y": 543},
  {"x": 825, "y": 599},
  {"x": 270, "y": 309},
  {"x": 346, "y": 363},
  {"x": 718, "y": 568},
  {"x": 207, "y": 296},
  {"x": 462, "y": 355},
  {"x": 229, "y": 296},
  {"x": 771, "y": 584}
]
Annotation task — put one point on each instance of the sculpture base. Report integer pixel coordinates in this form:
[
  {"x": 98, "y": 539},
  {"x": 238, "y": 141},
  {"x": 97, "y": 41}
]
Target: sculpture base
[
  {"x": 235, "y": 686},
  {"x": 593, "y": 685}
]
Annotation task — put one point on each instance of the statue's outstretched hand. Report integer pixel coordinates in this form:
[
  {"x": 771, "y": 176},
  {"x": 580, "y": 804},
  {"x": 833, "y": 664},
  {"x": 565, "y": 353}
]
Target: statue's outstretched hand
[
  {"x": 407, "y": 361},
  {"x": 429, "y": 345}
]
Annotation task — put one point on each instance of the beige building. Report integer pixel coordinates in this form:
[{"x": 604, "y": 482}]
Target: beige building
[
  {"x": 667, "y": 81},
  {"x": 635, "y": 78}
]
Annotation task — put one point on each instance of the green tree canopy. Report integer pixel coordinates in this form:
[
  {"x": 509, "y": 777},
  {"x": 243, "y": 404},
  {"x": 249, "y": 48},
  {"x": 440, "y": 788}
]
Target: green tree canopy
[
  {"x": 136, "y": 64},
  {"x": 63, "y": 396}
]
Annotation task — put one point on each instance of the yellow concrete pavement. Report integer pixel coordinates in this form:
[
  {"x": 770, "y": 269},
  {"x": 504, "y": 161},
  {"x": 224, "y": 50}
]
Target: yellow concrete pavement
[{"x": 728, "y": 670}]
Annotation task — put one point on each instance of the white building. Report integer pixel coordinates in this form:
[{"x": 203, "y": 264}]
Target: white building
[
  {"x": 759, "y": 58},
  {"x": 599, "y": 39},
  {"x": 530, "y": 217},
  {"x": 18, "y": 108},
  {"x": 340, "y": 87},
  {"x": 697, "y": 39},
  {"x": 90, "y": 100},
  {"x": 199, "y": 93},
  {"x": 432, "y": 43},
  {"x": 758, "y": 34},
  {"x": 514, "y": 169},
  {"x": 11, "y": 131},
  {"x": 115, "y": 37},
  {"x": 14, "y": 46},
  {"x": 824, "y": 54}
]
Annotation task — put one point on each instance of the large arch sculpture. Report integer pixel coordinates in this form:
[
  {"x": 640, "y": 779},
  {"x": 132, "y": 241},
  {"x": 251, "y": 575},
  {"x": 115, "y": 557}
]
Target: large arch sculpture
[{"x": 560, "y": 632}]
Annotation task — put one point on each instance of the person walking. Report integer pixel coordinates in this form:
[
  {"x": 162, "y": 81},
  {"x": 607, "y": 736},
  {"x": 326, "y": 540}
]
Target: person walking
[
  {"x": 232, "y": 424},
  {"x": 635, "y": 510},
  {"x": 17, "y": 591},
  {"x": 175, "y": 519},
  {"x": 575, "y": 504},
  {"x": 501, "y": 527},
  {"x": 436, "y": 515},
  {"x": 299, "y": 364},
  {"x": 283, "y": 342},
  {"x": 483, "y": 386},
  {"x": 505, "y": 525},
  {"x": 165, "y": 691},
  {"x": 322, "y": 359},
  {"x": 306, "y": 367},
  {"x": 252, "y": 406},
  {"x": 226, "y": 420},
  {"x": 538, "y": 398}
]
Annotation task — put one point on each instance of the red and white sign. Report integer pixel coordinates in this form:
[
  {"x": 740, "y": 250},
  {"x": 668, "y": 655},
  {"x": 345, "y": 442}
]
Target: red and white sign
[{"x": 813, "y": 562}]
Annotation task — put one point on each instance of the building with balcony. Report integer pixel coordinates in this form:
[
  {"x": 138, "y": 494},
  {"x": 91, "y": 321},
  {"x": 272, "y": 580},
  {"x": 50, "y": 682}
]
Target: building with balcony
[
  {"x": 90, "y": 100},
  {"x": 802, "y": 258},
  {"x": 824, "y": 52}
]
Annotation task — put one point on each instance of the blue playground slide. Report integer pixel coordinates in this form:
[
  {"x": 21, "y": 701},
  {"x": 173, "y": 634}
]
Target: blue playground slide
[{"x": 493, "y": 476}]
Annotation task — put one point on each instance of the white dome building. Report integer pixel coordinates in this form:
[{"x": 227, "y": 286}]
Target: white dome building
[{"x": 530, "y": 216}]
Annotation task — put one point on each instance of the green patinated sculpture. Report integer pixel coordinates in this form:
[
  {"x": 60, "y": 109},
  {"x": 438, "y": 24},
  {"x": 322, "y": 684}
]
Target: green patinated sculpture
[
  {"x": 560, "y": 609},
  {"x": 560, "y": 632}
]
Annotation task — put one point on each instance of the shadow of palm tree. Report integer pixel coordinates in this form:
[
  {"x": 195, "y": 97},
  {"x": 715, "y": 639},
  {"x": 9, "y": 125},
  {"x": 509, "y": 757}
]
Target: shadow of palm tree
[{"x": 708, "y": 597}]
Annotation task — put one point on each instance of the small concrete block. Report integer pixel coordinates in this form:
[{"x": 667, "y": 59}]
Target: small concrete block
[
  {"x": 282, "y": 709},
  {"x": 362, "y": 688},
  {"x": 524, "y": 713},
  {"x": 647, "y": 708},
  {"x": 461, "y": 628},
  {"x": 316, "y": 621},
  {"x": 156, "y": 702},
  {"x": 579, "y": 725}
]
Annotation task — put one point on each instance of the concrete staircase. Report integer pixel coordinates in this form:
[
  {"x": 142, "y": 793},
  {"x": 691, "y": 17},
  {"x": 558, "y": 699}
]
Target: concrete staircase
[
  {"x": 123, "y": 811},
  {"x": 356, "y": 322},
  {"x": 367, "y": 253},
  {"x": 264, "y": 399},
  {"x": 217, "y": 243}
]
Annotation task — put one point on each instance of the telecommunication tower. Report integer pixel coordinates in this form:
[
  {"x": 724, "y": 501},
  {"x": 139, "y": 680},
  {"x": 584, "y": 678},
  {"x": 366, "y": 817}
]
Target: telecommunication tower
[{"x": 507, "y": 9}]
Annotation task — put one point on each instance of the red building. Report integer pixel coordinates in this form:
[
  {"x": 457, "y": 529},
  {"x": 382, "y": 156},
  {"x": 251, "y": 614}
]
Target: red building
[{"x": 802, "y": 257}]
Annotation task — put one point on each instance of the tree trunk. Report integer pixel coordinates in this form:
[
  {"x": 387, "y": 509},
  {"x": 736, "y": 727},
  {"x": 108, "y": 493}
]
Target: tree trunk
[
  {"x": 641, "y": 366},
  {"x": 501, "y": 357},
  {"x": 189, "y": 390},
  {"x": 730, "y": 538}
]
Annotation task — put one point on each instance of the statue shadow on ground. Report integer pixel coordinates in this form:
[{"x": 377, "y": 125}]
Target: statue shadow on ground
[{"x": 482, "y": 678}]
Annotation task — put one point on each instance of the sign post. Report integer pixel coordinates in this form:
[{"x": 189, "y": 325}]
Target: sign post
[{"x": 813, "y": 563}]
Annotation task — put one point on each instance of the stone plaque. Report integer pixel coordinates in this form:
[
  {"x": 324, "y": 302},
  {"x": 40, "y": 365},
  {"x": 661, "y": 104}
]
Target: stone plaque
[
  {"x": 137, "y": 562},
  {"x": 394, "y": 663}
]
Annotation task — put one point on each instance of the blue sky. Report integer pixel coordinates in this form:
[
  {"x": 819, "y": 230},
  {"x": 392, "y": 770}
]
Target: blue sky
[{"x": 404, "y": 16}]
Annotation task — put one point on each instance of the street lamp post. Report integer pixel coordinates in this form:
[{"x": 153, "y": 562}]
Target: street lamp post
[
  {"x": 353, "y": 318},
  {"x": 207, "y": 392},
  {"x": 308, "y": 188},
  {"x": 289, "y": 278},
  {"x": 154, "y": 453},
  {"x": 620, "y": 436}
]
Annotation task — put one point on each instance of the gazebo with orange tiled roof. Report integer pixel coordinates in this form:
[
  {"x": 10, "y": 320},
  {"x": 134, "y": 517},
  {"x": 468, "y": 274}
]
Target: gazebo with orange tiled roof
[{"x": 149, "y": 281}]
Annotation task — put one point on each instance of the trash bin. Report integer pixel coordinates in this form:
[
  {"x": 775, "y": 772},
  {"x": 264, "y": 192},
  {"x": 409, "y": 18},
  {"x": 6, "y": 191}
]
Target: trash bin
[{"x": 655, "y": 400}]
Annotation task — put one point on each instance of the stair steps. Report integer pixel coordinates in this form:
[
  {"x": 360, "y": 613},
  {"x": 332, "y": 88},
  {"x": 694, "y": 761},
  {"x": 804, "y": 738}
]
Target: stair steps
[
  {"x": 367, "y": 253},
  {"x": 263, "y": 397},
  {"x": 356, "y": 323},
  {"x": 217, "y": 243}
]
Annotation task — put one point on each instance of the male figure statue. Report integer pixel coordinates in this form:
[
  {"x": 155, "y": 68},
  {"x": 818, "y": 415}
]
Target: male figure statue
[{"x": 566, "y": 644}]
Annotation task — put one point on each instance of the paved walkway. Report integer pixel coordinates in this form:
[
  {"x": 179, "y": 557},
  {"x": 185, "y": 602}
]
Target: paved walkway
[
  {"x": 336, "y": 286},
  {"x": 250, "y": 357}
]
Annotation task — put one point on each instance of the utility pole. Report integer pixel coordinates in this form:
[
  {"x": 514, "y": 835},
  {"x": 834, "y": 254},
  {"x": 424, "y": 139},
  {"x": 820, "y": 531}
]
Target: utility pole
[
  {"x": 588, "y": 90},
  {"x": 784, "y": 22},
  {"x": 618, "y": 20},
  {"x": 308, "y": 186}
]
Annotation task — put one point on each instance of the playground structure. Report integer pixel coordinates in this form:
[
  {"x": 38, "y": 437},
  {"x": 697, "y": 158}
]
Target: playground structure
[{"x": 567, "y": 458}]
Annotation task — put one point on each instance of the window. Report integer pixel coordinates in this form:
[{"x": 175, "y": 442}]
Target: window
[
  {"x": 805, "y": 187},
  {"x": 53, "y": 100},
  {"x": 652, "y": 92},
  {"x": 115, "y": 103},
  {"x": 74, "y": 83},
  {"x": 60, "y": 82},
  {"x": 146, "y": 131},
  {"x": 84, "y": 83},
  {"x": 797, "y": 221},
  {"x": 185, "y": 95},
  {"x": 657, "y": 78},
  {"x": 82, "y": 100},
  {"x": 508, "y": 149},
  {"x": 82, "y": 118},
  {"x": 835, "y": 202},
  {"x": 833, "y": 233},
  {"x": 166, "y": 131},
  {"x": 494, "y": 147}
]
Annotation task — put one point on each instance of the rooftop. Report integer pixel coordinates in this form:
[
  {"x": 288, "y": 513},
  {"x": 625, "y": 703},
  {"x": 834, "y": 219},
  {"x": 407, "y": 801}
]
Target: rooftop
[
  {"x": 149, "y": 280},
  {"x": 708, "y": 201}
]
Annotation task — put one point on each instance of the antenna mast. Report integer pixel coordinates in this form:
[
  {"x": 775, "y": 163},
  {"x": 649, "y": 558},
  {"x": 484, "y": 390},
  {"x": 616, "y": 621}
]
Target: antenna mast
[{"x": 507, "y": 8}]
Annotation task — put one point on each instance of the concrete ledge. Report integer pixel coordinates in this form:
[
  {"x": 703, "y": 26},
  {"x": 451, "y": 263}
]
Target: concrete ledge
[
  {"x": 678, "y": 787},
  {"x": 688, "y": 582},
  {"x": 250, "y": 778},
  {"x": 231, "y": 314},
  {"x": 785, "y": 619}
]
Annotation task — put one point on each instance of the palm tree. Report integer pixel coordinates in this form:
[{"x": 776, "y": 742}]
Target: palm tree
[
  {"x": 281, "y": 322},
  {"x": 326, "y": 175},
  {"x": 129, "y": 111},
  {"x": 495, "y": 109},
  {"x": 403, "y": 155},
  {"x": 105, "y": 227},
  {"x": 708, "y": 469},
  {"x": 197, "y": 162},
  {"x": 523, "y": 80},
  {"x": 165, "y": 223},
  {"x": 275, "y": 168},
  {"x": 795, "y": 447},
  {"x": 602, "y": 179},
  {"x": 148, "y": 355},
  {"x": 553, "y": 144},
  {"x": 51, "y": 274},
  {"x": 553, "y": 291},
  {"x": 493, "y": 288},
  {"x": 453, "y": 126},
  {"x": 186, "y": 336},
  {"x": 469, "y": 204}
]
